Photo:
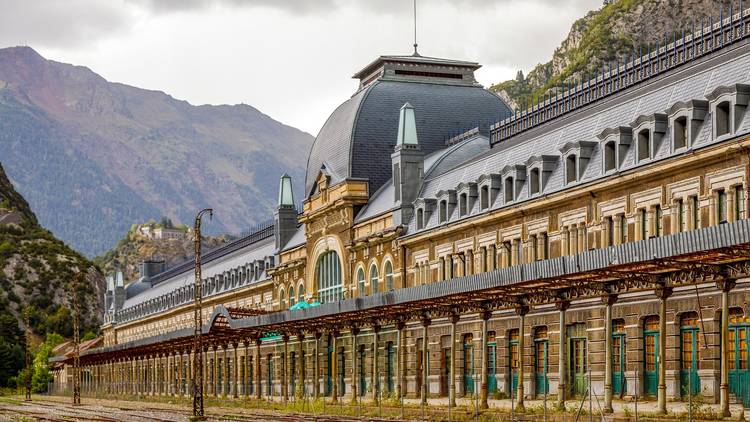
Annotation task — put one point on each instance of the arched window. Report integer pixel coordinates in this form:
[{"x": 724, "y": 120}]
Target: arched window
[
  {"x": 509, "y": 187},
  {"x": 443, "y": 211},
  {"x": 463, "y": 204},
  {"x": 610, "y": 159},
  {"x": 420, "y": 218},
  {"x": 571, "y": 169},
  {"x": 301, "y": 293},
  {"x": 534, "y": 183},
  {"x": 644, "y": 144},
  {"x": 292, "y": 296},
  {"x": 361, "y": 281},
  {"x": 723, "y": 115},
  {"x": 680, "y": 133},
  {"x": 374, "y": 278},
  {"x": 328, "y": 276},
  {"x": 484, "y": 197},
  {"x": 282, "y": 299},
  {"x": 388, "y": 274}
]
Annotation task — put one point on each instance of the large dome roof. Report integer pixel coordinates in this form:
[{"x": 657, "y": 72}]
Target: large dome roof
[{"x": 358, "y": 138}]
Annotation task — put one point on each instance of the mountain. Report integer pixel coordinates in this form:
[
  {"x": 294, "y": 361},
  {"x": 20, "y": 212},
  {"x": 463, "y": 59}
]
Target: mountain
[
  {"x": 37, "y": 270},
  {"x": 93, "y": 157},
  {"x": 136, "y": 247},
  {"x": 613, "y": 33}
]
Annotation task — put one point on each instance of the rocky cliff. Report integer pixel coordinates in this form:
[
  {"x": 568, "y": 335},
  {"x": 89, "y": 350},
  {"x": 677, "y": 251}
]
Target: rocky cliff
[{"x": 608, "y": 35}]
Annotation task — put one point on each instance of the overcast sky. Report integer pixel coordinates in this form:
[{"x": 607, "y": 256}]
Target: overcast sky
[{"x": 292, "y": 59}]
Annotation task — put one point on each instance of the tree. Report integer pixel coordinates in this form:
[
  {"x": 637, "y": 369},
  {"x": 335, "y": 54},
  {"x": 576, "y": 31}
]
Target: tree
[{"x": 41, "y": 375}]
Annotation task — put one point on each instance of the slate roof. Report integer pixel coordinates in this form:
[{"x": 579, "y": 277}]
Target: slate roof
[
  {"x": 358, "y": 138},
  {"x": 694, "y": 82},
  {"x": 436, "y": 163}
]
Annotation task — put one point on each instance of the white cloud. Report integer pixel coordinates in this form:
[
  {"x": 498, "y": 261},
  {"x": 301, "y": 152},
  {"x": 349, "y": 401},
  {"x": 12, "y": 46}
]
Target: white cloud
[{"x": 292, "y": 59}]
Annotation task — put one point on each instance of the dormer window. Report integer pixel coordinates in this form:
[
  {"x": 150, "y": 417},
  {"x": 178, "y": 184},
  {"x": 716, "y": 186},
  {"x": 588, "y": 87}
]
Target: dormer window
[
  {"x": 576, "y": 156},
  {"x": 446, "y": 204},
  {"x": 534, "y": 182},
  {"x": 722, "y": 120},
  {"x": 728, "y": 105},
  {"x": 649, "y": 130},
  {"x": 610, "y": 156},
  {"x": 484, "y": 197},
  {"x": 508, "y": 189},
  {"x": 685, "y": 119},
  {"x": 514, "y": 177},
  {"x": 616, "y": 143},
  {"x": 489, "y": 185},
  {"x": 571, "y": 169},
  {"x": 644, "y": 144},
  {"x": 679, "y": 133},
  {"x": 423, "y": 209},
  {"x": 467, "y": 194}
]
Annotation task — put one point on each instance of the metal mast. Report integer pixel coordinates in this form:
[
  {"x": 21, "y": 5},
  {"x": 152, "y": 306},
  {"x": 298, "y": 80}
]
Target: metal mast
[
  {"x": 27, "y": 322},
  {"x": 198, "y": 321},
  {"x": 76, "y": 342}
]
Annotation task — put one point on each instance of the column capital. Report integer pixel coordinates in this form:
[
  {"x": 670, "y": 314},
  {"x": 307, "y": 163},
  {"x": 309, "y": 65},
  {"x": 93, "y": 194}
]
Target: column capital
[
  {"x": 355, "y": 330},
  {"x": 663, "y": 292},
  {"x": 454, "y": 318},
  {"x": 376, "y": 327},
  {"x": 522, "y": 310},
  {"x": 400, "y": 324},
  {"x": 485, "y": 315},
  {"x": 235, "y": 344},
  {"x": 426, "y": 321},
  {"x": 285, "y": 337},
  {"x": 317, "y": 335},
  {"x": 609, "y": 299},
  {"x": 300, "y": 337},
  {"x": 562, "y": 305},
  {"x": 258, "y": 341},
  {"x": 726, "y": 284}
]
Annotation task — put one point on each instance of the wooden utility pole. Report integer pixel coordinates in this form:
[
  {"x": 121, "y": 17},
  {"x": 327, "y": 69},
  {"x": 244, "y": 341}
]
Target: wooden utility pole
[{"x": 76, "y": 342}]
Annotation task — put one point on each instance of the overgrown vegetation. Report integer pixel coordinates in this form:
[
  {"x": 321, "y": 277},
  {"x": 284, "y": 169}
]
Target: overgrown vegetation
[{"x": 36, "y": 275}]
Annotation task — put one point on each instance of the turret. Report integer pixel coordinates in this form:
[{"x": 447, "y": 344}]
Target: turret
[
  {"x": 285, "y": 214},
  {"x": 119, "y": 291},
  {"x": 407, "y": 164}
]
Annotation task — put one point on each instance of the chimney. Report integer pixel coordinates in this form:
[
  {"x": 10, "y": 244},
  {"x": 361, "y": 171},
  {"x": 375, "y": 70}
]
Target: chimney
[
  {"x": 151, "y": 268},
  {"x": 408, "y": 165},
  {"x": 109, "y": 295},
  {"x": 285, "y": 215}
]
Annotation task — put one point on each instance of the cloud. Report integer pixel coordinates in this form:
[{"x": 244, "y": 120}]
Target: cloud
[{"x": 57, "y": 23}]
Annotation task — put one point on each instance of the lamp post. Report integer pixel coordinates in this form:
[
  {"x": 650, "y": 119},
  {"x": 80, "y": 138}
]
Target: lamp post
[
  {"x": 76, "y": 342},
  {"x": 197, "y": 378}
]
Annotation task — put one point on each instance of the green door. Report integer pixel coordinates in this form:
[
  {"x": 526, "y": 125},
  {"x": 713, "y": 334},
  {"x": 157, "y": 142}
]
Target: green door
[
  {"x": 739, "y": 375},
  {"x": 491, "y": 367},
  {"x": 540, "y": 367},
  {"x": 690, "y": 383},
  {"x": 269, "y": 385},
  {"x": 514, "y": 361},
  {"x": 578, "y": 362},
  {"x": 468, "y": 370},
  {"x": 619, "y": 385},
  {"x": 329, "y": 369},
  {"x": 651, "y": 370}
]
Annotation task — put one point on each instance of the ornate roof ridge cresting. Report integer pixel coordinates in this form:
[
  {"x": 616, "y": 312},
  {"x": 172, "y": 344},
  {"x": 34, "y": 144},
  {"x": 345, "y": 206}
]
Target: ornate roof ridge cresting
[{"x": 667, "y": 56}]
